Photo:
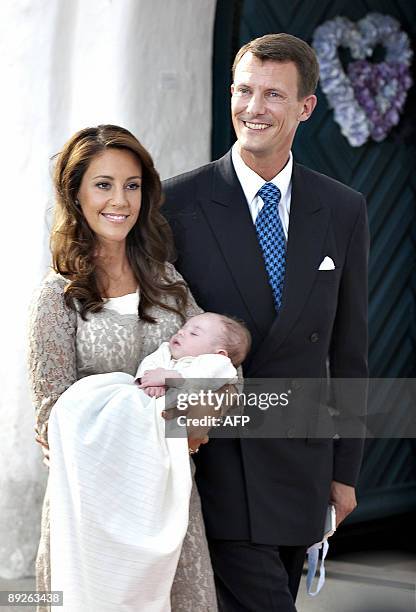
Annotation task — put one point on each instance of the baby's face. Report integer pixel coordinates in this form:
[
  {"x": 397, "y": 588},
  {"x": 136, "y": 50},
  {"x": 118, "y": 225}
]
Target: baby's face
[{"x": 199, "y": 336}]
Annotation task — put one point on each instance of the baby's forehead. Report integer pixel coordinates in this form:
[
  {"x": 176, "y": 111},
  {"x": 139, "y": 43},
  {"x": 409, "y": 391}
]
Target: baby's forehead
[{"x": 206, "y": 320}]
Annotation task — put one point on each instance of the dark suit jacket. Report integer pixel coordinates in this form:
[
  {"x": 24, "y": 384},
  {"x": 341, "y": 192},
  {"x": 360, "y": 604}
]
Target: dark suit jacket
[{"x": 275, "y": 491}]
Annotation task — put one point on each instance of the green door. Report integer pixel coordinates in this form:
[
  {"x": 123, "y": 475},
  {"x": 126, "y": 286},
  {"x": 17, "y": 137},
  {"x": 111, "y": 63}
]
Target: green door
[{"x": 385, "y": 173}]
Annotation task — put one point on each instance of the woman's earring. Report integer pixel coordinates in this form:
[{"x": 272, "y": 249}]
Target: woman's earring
[{"x": 77, "y": 203}]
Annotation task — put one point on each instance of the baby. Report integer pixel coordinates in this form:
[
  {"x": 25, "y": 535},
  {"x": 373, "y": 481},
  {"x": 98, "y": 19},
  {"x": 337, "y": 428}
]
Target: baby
[
  {"x": 209, "y": 345},
  {"x": 118, "y": 484}
]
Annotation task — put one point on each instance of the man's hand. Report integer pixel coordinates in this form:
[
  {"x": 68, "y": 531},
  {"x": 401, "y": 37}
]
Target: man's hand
[{"x": 342, "y": 496}]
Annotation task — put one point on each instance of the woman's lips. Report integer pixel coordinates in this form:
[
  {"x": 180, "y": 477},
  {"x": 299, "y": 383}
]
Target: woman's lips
[{"x": 113, "y": 218}]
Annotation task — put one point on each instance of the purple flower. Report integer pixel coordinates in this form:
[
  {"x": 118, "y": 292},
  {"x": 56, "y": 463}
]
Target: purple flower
[{"x": 369, "y": 100}]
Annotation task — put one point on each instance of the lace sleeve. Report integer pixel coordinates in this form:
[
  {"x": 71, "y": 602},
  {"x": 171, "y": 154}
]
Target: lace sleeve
[
  {"x": 51, "y": 355},
  {"x": 192, "y": 309}
]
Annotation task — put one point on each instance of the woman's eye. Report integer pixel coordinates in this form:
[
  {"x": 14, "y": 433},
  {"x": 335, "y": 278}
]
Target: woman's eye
[
  {"x": 103, "y": 185},
  {"x": 133, "y": 186},
  {"x": 193, "y": 334}
]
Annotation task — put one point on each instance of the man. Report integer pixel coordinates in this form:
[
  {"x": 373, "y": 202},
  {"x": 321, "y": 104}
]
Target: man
[{"x": 290, "y": 259}]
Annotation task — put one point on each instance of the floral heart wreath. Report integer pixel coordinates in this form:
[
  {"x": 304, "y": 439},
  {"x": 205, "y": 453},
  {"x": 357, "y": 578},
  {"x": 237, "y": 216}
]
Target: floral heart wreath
[{"x": 367, "y": 103}]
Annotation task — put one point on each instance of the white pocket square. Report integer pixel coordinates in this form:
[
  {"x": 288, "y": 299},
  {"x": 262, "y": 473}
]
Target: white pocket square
[{"x": 327, "y": 264}]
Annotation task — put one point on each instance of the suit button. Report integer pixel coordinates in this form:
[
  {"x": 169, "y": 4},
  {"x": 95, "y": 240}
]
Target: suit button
[{"x": 314, "y": 337}]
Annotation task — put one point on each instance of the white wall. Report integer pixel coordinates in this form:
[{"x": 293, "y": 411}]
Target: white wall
[{"x": 64, "y": 65}]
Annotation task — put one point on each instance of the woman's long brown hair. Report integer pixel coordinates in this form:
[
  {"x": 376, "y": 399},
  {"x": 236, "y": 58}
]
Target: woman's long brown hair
[{"x": 149, "y": 244}]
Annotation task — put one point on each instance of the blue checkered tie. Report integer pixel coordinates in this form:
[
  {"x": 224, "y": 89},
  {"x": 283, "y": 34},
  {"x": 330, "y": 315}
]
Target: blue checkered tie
[{"x": 272, "y": 239}]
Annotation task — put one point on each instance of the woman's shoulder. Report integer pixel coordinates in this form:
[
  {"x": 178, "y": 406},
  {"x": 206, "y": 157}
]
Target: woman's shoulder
[
  {"x": 172, "y": 274},
  {"x": 50, "y": 293},
  {"x": 54, "y": 282}
]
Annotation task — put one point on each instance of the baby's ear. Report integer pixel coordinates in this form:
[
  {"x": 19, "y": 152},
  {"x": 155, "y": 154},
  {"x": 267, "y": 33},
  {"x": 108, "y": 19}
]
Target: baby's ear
[{"x": 222, "y": 352}]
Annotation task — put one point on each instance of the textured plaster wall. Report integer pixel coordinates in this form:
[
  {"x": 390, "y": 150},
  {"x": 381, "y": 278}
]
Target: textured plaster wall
[{"x": 144, "y": 64}]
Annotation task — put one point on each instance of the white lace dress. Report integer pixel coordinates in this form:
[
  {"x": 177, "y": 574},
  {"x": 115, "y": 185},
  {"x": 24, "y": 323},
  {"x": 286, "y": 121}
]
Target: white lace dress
[{"x": 62, "y": 349}]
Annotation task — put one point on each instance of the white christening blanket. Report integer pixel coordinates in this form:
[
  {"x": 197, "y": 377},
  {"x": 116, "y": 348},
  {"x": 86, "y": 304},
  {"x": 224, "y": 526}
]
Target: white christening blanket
[{"x": 119, "y": 495}]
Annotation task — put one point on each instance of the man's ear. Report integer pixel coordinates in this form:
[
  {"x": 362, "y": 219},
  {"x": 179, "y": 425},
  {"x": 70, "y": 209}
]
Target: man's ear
[
  {"x": 309, "y": 104},
  {"x": 222, "y": 352}
]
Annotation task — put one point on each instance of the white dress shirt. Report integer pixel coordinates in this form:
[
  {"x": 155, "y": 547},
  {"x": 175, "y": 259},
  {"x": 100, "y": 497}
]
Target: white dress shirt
[{"x": 252, "y": 182}]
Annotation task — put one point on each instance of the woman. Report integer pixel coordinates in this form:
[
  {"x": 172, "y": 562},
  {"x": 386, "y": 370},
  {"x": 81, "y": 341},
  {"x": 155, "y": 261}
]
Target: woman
[{"x": 111, "y": 299}]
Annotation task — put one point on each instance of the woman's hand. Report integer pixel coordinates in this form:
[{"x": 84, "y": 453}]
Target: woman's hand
[
  {"x": 195, "y": 443},
  {"x": 45, "y": 448}
]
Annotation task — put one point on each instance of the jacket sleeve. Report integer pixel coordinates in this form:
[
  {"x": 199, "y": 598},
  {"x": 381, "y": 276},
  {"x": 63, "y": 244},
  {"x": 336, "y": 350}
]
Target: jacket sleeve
[{"x": 348, "y": 353}]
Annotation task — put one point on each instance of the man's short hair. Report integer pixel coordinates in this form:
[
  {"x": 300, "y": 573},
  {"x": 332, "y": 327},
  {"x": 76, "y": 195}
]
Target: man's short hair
[{"x": 286, "y": 48}]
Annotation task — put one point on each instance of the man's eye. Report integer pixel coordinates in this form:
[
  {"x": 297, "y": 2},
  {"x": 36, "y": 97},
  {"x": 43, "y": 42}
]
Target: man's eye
[
  {"x": 193, "y": 334},
  {"x": 242, "y": 91},
  {"x": 103, "y": 185},
  {"x": 133, "y": 186},
  {"x": 274, "y": 94}
]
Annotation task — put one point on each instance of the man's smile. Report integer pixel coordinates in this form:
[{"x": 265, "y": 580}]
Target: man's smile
[{"x": 256, "y": 126}]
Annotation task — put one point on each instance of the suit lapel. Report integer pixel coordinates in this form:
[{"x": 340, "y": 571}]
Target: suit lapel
[
  {"x": 228, "y": 215},
  {"x": 308, "y": 226}
]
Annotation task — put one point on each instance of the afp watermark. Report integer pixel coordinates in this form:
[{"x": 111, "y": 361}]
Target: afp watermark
[{"x": 229, "y": 420}]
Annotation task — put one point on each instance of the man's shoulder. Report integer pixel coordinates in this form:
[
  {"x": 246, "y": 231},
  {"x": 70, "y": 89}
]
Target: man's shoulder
[
  {"x": 186, "y": 178},
  {"x": 325, "y": 184},
  {"x": 199, "y": 179}
]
